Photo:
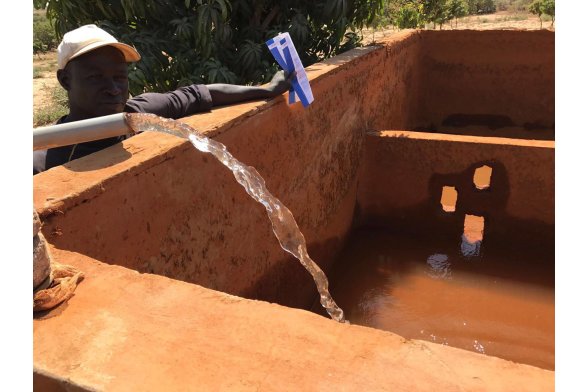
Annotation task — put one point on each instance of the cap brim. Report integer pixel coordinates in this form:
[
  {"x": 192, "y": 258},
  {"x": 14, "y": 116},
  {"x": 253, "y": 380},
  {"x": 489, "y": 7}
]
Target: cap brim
[{"x": 128, "y": 51}]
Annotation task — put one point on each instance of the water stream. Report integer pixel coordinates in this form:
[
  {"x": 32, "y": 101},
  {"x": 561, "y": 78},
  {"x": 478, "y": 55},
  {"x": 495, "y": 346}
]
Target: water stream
[{"x": 283, "y": 223}]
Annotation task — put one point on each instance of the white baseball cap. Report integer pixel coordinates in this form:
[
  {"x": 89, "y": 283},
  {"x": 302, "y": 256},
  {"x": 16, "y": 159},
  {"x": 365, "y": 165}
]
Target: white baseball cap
[{"x": 87, "y": 38}]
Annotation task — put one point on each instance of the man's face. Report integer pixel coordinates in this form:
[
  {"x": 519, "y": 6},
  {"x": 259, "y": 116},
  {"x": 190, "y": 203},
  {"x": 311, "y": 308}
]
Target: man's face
[{"x": 96, "y": 83}]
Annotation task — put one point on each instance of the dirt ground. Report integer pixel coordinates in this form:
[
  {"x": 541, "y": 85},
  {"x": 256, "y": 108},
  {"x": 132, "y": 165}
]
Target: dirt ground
[
  {"x": 496, "y": 21},
  {"x": 43, "y": 85}
]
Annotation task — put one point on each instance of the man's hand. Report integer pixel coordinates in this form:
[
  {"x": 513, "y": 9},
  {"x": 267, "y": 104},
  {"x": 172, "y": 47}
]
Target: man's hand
[{"x": 280, "y": 83}]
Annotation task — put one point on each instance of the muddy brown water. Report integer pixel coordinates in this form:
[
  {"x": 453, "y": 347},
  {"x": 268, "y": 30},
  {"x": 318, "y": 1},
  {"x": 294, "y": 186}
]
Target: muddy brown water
[{"x": 498, "y": 303}]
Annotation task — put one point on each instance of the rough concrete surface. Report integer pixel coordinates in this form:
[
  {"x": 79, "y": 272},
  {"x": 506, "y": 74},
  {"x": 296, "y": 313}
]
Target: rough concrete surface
[
  {"x": 500, "y": 77},
  {"x": 406, "y": 171},
  {"x": 125, "y": 331}
]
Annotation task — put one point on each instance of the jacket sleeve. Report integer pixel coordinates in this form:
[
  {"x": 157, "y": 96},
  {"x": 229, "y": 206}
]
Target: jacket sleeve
[{"x": 174, "y": 104}]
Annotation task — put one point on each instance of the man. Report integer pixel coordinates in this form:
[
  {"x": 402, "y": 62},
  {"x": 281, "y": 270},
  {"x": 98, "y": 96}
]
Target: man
[{"x": 92, "y": 68}]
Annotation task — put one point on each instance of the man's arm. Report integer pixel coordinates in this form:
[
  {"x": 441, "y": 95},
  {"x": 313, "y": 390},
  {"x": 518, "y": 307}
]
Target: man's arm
[
  {"x": 198, "y": 98},
  {"x": 226, "y": 94}
]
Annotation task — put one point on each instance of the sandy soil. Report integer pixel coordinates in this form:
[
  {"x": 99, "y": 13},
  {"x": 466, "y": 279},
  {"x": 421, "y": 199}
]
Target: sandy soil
[
  {"x": 497, "y": 21},
  {"x": 502, "y": 20},
  {"x": 43, "y": 85}
]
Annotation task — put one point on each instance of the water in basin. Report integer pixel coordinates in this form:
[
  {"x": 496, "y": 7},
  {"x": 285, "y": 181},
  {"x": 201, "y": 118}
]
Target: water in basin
[{"x": 498, "y": 303}]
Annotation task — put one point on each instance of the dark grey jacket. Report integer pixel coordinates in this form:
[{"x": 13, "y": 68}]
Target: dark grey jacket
[{"x": 174, "y": 104}]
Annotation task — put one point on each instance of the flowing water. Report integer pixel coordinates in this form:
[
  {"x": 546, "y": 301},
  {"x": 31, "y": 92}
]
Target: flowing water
[{"x": 283, "y": 224}]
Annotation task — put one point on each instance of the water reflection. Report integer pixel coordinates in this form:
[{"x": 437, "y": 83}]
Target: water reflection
[
  {"x": 424, "y": 288},
  {"x": 439, "y": 266},
  {"x": 473, "y": 234},
  {"x": 479, "y": 347},
  {"x": 470, "y": 249}
]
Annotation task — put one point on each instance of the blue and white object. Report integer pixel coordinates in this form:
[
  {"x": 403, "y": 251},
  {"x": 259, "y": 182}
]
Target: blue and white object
[{"x": 283, "y": 50}]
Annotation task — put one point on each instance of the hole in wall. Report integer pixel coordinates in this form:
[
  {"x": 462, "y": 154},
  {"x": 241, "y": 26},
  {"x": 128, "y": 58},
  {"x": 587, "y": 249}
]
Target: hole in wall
[
  {"x": 482, "y": 177},
  {"x": 473, "y": 234},
  {"x": 448, "y": 198}
]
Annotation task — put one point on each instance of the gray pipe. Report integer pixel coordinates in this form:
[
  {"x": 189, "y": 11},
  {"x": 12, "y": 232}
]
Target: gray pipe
[{"x": 80, "y": 131}]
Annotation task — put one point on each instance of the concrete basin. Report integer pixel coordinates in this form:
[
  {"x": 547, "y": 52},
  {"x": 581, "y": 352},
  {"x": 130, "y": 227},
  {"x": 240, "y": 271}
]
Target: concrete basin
[{"x": 186, "y": 287}]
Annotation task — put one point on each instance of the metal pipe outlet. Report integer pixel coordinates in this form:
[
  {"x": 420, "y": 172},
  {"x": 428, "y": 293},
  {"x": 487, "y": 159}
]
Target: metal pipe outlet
[{"x": 80, "y": 131}]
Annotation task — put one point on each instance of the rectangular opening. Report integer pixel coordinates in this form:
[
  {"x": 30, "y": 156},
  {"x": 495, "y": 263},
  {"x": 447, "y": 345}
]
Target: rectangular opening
[{"x": 448, "y": 198}]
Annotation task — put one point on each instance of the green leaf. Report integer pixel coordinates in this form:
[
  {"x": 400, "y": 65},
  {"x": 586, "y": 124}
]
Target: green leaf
[{"x": 224, "y": 9}]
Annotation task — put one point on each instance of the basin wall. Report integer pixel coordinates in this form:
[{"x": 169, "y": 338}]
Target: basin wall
[
  {"x": 404, "y": 174},
  {"x": 488, "y": 78},
  {"x": 170, "y": 210}
]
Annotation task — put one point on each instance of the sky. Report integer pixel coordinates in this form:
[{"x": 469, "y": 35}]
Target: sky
[{"x": 16, "y": 359}]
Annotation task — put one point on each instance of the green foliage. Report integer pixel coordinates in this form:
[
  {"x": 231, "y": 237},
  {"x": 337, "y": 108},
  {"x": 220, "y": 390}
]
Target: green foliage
[
  {"x": 44, "y": 38},
  {"x": 386, "y": 15},
  {"x": 59, "y": 96},
  {"x": 217, "y": 41},
  {"x": 549, "y": 9},
  {"x": 56, "y": 109},
  {"x": 502, "y": 5},
  {"x": 37, "y": 72},
  {"x": 409, "y": 16},
  {"x": 519, "y": 5},
  {"x": 435, "y": 11},
  {"x": 48, "y": 115},
  {"x": 416, "y": 13},
  {"x": 512, "y": 5},
  {"x": 457, "y": 9},
  {"x": 535, "y": 8},
  {"x": 543, "y": 7},
  {"x": 479, "y": 7}
]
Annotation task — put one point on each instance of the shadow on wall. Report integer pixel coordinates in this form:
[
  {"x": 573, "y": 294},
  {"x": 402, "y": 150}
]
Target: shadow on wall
[
  {"x": 493, "y": 125},
  {"x": 470, "y": 206}
]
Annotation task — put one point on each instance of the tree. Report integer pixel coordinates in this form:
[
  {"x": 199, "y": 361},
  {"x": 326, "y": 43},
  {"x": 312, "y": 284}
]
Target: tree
[
  {"x": 457, "y": 9},
  {"x": 415, "y": 13},
  {"x": 385, "y": 17},
  {"x": 536, "y": 8},
  {"x": 481, "y": 6},
  {"x": 435, "y": 11},
  {"x": 404, "y": 14},
  {"x": 409, "y": 16},
  {"x": 43, "y": 35},
  {"x": 548, "y": 8},
  {"x": 208, "y": 41}
]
